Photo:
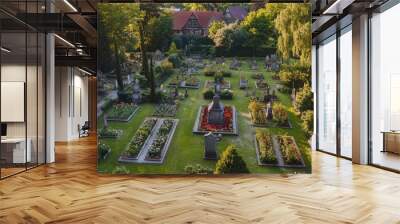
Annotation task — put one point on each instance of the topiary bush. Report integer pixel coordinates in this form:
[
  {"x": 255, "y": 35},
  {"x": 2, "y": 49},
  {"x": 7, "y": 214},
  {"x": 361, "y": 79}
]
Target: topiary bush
[
  {"x": 208, "y": 94},
  {"x": 304, "y": 99},
  {"x": 209, "y": 72},
  {"x": 279, "y": 113},
  {"x": 308, "y": 122},
  {"x": 226, "y": 94},
  {"x": 230, "y": 162}
]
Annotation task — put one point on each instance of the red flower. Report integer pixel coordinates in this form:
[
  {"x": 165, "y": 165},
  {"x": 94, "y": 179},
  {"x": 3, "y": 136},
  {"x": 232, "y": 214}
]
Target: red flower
[{"x": 228, "y": 118}]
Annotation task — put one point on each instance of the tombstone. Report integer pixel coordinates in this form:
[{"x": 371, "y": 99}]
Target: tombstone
[
  {"x": 269, "y": 111},
  {"x": 217, "y": 88},
  {"x": 176, "y": 92},
  {"x": 136, "y": 92},
  {"x": 210, "y": 146},
  {"x": 216, "y": 111},
  {"x": 105, "y": 122},
  {"x": 186, "y": 93}
]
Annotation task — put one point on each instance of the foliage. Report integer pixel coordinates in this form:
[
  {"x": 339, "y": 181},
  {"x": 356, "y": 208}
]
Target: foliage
[
  {"x": 103, "y": 150},
  {"x": 230, "y": 162},
  {"x": 226, "y": 94},
  {"x": 289, "y": 150},
  {"x": 175, "y": 59},
  {"x": 308, "y": 122},
  {"x": 257, "y": 112},
  {"x": 121, "y": 111},
  {"x": 208, "y": 94},
  {"x": 141, "y": 135},
  {"x": 304, "y": 99},
  {"x": 279, "y": 113},
  {"x": 226, "y": 73},
  {"x": 161, "y": 138},
  {"x": 172, "y": 49},
  {"x": 260, "y": 29},
  {"x": 295, "y": 75},
  {"x": 109, "y": 133},
  {"x": 198, "y": 169},
  {"x": 120, "y": 170},
  {"x": 165, "y": 110},
  {"x": 214, "y": 27},
  {"x": 209, "y": 72},
  {"x": 264, "y": 139},
  {"x": 293, "y": 24},
  {"x": 166, "y": 67}
]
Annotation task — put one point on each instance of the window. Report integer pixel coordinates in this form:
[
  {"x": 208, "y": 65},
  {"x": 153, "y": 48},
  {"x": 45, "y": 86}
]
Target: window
[
  {"x": 327, "y": 95},
  {"x": 385, "y": 89}
]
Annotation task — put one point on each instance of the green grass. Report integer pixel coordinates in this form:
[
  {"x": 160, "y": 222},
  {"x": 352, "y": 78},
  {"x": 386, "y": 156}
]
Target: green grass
[{"x": 187, "y": 148}]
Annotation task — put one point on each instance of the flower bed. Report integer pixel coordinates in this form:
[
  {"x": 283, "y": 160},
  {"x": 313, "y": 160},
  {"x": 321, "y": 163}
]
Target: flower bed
[
  {"x": 139, "y": 138},
  {"x": 109, "y": 133},
  {"x": 289, "y": 150},
  {"x": 266, "y": 153},
  {"x": 186, "y": 82},
  {"x": 257, "y": 113},
  {"x": 122, "y": 112},
  {"x": 226, "y": 84},
  {"x": 227, "y": 126},
  {"x": 165, "y": 110},
  {"x": 159, "y": 141}
]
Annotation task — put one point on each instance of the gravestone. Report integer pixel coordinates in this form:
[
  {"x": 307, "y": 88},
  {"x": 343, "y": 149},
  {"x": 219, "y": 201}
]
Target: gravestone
[
  {"x": 136, "y": 92},
  {"x": 269, "y": 111},
  {"x": 215, "y": 111},
  {"x": 186, "y": 93},
  {"x": 210, "y": 146},
  {"x": 105, "y": 122}
]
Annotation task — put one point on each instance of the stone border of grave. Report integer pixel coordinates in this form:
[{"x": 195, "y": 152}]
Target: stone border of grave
[
  {"x": 127, "y": 119},
  {"x": 166, "y": 145},
  {"x": 185, "y": 86},
  {"x": 278, "y": 154},
  {"x": 120, "y": 133},
  {"x": 212, "y": 85},
  {"x": 297, "y": 149},
  {"x": 235, "y": 127},
  {"x": 270, "y": 124},
  {"x": 134, "y": 159},
  {"x": 258, "y": 155}
]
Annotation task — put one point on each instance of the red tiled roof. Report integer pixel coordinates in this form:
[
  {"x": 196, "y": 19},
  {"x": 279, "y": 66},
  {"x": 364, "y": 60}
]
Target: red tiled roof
[{"x": 204, "y": 18}]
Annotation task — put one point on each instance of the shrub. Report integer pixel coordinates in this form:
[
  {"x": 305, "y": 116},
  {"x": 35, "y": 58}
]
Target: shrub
[
  {"x": 226, "y": 94},
  {"x": 198, "y": 169},
  {"x": 230, "y": 162},
  {"x": 225, "y": 73},
  {"x": 175, "y": 59},
  {"x": 304, "y": 99},
  {"x": 209, "y": 72},
  {"x": 120, "y": 170},
  {"x": 208, "y": 94},
  {"x": 166, "y": 67},
  {"x": 267, "y": 154},
  {"x": 293, "y": 79},
  {"x": 279, "y": 113},
  {"x": 308, "y": 122},
  {"x": 103, "y": 150},
  {"x": 124, "y": 97},
  {"x": 257, "y": 112}
]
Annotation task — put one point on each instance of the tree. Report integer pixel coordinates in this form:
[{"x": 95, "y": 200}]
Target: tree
[
  {"x": 304, "y": 99},
  {"x": 260, "y": 28},
  {"x": 114, "y": 18},
  {"x": 293, "y": 24},
  {"x": 214, "y": 27},
  {"x": 195, "y": 7},
  {"x": 172, "y": 49},
  {"x": 230, "y": 162},
  {"x": 308, "y": 122}
]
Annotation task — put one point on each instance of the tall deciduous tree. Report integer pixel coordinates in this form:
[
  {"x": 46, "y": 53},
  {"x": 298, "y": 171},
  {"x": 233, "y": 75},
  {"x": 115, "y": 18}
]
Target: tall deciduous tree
[{"x": 293, "y": 24}]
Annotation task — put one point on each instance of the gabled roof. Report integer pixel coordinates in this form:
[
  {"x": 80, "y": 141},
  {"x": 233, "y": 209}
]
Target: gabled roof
[
  {"x": 204, "y": 18},
  {"x": 237, "y": 12}
]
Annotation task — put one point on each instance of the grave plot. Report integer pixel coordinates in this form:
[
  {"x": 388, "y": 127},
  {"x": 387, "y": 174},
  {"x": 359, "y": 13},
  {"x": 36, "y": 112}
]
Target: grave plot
[
  {"x": 138, "y": 141},
  {"x": 123, "y": 112}
]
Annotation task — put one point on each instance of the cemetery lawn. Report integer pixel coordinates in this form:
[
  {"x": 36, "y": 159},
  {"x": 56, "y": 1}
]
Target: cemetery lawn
[{"x": 187, "y": 148}]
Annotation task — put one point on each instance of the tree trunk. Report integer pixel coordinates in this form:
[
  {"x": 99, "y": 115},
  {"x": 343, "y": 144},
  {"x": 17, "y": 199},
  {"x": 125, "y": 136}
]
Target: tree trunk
[
  {"x": 118, "y": 69},
  {"x": 145, "y": 63}
]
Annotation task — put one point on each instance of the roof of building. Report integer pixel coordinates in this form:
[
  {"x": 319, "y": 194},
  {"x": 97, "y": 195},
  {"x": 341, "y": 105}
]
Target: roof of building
[
  {"x": 237, "y": 12},
  {"x": 204, "y": 18}
]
